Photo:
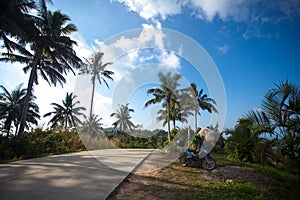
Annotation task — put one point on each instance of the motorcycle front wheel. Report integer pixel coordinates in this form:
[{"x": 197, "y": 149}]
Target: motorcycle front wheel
[{"x": 208, "y": 163}]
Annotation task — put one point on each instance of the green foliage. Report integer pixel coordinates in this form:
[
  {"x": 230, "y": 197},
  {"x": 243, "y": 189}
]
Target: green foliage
[
  {"x": 39, "y": 143},
  {"x": 123, "y": 118},
  {"x": 66, "y": 114},
  {"x": 279, "y": 117},
  {"x": 155, "y": 139},
  {"x": 11, "y": 104},
  {"x": 241, "y": 141},
  {"x": 51, "y": 54},
  {"x": 167, "y": 94}
]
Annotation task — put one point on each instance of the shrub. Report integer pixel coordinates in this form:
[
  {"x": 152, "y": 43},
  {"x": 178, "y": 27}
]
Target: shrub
[{"x": 39, "y": 143}]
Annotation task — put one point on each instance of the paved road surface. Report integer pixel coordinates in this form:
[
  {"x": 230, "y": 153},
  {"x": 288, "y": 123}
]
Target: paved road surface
[{"x": 68, "y": 176}]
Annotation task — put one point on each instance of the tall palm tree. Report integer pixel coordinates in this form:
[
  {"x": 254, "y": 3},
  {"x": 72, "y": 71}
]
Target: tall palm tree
[
  {"x": 11, "y": 105},
  {"x": 197, "y": 100},
  {"x": 67, "y": 114},
  {"x": 51, "y": 54},
  {"x": 123, "y": 118},
  {"x": 97, "y": 69},
  {"x": 167, "y": 93}
]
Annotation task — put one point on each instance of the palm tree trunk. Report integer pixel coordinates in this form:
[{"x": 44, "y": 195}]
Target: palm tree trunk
[
  {"x": 92, "y": 100},
  {"x": 8, "y": 128},
  {"x": 66, "y": 122},
  {"x": 28, "y": 92},
  {"x": 196, "y": 126},
  {"x": 168, "y": 120},
  {"x": 174, "y": 124}
]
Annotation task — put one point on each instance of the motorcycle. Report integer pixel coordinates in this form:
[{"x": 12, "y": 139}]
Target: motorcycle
[{"x": 190, "y": 157}]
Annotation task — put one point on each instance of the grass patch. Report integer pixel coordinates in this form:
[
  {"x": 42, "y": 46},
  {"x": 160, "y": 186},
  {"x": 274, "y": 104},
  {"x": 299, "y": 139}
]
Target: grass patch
[{"x": 290, "y": 179}]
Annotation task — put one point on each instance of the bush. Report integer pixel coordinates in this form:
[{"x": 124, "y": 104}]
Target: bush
[{"x": 39, "y": 143}]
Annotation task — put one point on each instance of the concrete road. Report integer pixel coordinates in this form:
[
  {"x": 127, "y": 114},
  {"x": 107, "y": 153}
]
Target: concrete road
[{"x": 82, "y": 175}]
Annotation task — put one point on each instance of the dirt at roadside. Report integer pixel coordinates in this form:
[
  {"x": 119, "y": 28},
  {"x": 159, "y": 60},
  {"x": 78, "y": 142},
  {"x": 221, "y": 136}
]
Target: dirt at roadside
[{"x": 168, "y": 182}]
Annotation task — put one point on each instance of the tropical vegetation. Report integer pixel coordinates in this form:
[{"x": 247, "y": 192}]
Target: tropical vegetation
[
  {"x": 51, "y": 51},
  {"x": 197, "y": 100},
  {"x": 123, "y": 118},
  {"x": 66, "y": 115},
  {"x": 11, "y": 104},
  {"x": 268, "y": 135},
  {"x": 167, "y": 94}
]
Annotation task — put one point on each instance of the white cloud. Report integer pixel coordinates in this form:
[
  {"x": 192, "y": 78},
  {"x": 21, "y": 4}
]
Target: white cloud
[
  {"x": 223, "y": 49},
  {"x": 150, "y": 9},
  {"x": 124, "y": 51},
  {"x": 83, "y": 50},
  {"x": 103, "y": 108},
  {"x": 12, "y": 75},
  {"x": 208, "y": 9},
  {"x": 237, "y": 10},
  {"x": 170, "y": 60}
]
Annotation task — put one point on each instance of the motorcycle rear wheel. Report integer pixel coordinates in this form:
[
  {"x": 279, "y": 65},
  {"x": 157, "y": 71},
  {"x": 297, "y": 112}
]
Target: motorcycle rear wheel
[{"x": 208, "y": 163}]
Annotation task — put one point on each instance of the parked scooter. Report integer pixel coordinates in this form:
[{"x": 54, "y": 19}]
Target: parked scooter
[
  {"x": 192, "y": 158},
  {"x": 201, "y": 158}
]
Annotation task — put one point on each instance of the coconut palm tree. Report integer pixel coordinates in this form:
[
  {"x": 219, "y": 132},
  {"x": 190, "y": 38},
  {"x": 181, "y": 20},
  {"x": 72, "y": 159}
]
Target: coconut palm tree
[
  {"x": 176, "y": 114},
  {"x": 67, "y": 114},
  {"x": 123, "y": 118},
  {"x": 92, "y": 125},
  {"x": 97, "y": 69},
  {"x": 198, "y": 100},
  {"x": 51, "y": 54},
  {"x": 11, "y": 104},
  {"x": 167, "y": 93}
]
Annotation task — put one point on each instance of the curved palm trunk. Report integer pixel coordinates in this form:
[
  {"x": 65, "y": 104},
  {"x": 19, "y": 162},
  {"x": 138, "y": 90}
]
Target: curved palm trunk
[
  {"x": 29, "y": 91},
  {"x": 92, "y": 100}
]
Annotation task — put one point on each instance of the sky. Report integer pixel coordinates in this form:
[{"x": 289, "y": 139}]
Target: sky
[{"x": 235, "y": 50}]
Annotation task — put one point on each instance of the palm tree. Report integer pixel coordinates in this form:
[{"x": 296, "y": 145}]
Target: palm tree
[
  {"x": 67, "y": 114},
  {"x": 176, "y": 114},
  {"x": 92, "y": 125},
  {"x": 280, "y": 117},
  {"x": 51, "y": 53},
  {"x": 241, "y": 140},
  {"x": 123, "y": 118},
  {"x": 96, "y": 68},
  {"x": 167, "y": 94},
  {"x": 197, "y": 101},
  {"x": 16, "y": 22},
  {"x": 11, "y": 105}
]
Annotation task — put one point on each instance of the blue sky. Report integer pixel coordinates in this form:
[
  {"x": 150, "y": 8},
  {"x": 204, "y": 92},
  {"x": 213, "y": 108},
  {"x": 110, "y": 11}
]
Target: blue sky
[{"x": 254, "y": 44}]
